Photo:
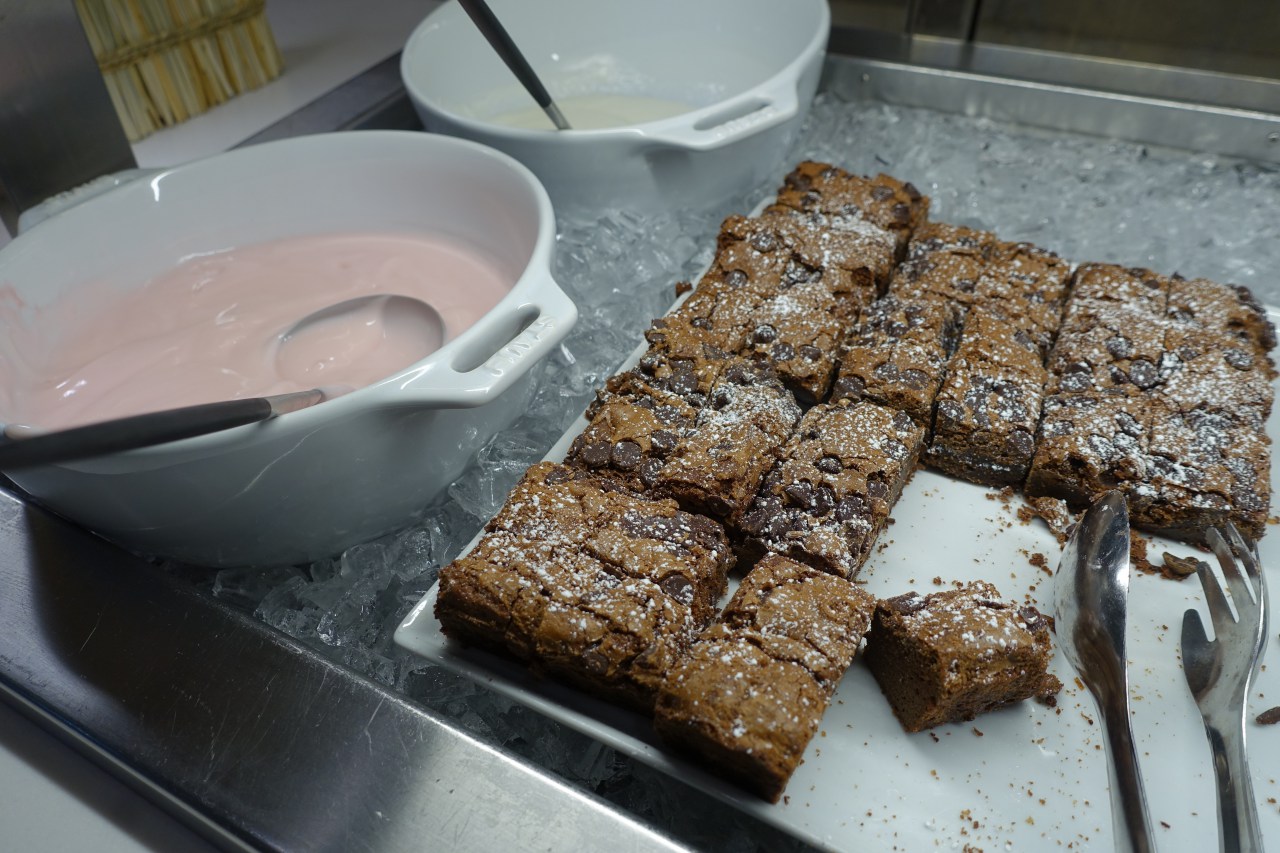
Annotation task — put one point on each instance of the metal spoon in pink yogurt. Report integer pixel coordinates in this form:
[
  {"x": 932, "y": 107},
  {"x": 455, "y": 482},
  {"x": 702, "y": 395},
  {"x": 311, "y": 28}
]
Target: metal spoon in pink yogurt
[{"x": 210, "y": 329}]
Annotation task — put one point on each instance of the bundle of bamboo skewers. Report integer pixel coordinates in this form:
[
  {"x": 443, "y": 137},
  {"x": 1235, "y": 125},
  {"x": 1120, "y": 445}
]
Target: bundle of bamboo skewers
[{"x": 165, "y": 61}]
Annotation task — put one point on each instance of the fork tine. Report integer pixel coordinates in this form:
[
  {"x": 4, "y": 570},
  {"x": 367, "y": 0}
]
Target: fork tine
[
  {"x": 1247, "y": 551},
  {"x": 1215, "y": 598}
]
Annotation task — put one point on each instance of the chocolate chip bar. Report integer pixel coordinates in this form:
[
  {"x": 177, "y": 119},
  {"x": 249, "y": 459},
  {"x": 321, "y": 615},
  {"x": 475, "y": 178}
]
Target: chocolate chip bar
[
  {"x": 952, "y": 655},
  {"x": 897, "y": 355},
  {"x": 836, "y": 199},
  {"x": 587, "y": 582},
  {"x": 828, "y": 498},
  {"x": 717, "y": 468},
  {"x": 751, "y": 693},
  {"x": 987, "y": 411}
]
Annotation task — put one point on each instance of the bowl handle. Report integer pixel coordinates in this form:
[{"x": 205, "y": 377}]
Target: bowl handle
[
  {"x": 542, "y": 324},
  {"x": 749, "y": 113}
]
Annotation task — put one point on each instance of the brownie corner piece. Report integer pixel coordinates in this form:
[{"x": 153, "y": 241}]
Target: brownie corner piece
[
  {"x": 750, "y": 694},
  {"x": 952, "y": 655},
  {"x": 748, "y": 716}
]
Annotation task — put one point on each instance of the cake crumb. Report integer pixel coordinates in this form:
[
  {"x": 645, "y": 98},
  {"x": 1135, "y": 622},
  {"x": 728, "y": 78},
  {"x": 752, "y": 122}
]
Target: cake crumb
[
  {"x": 1138, "y": 555},
  {"x": 1040, "y": 561},
  {"x": 1178, "y": 568},
  {"x": 1053, "y": 512},
  {"x": 683, "y": 287},
  {"x": 1269, "y": 717}
]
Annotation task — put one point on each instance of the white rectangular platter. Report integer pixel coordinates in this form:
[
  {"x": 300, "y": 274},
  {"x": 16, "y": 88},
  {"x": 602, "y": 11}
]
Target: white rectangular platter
[{"x": 1027, "y": 777}]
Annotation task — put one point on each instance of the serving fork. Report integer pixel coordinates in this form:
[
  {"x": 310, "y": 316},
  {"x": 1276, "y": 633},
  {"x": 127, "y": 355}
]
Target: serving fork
[{"x": 1218, "y": 672}]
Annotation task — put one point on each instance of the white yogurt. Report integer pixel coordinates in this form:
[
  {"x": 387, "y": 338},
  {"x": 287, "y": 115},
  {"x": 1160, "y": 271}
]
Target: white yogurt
[
  {"x": 209, "y": 329},
  {"x": 596, "y": 112}
]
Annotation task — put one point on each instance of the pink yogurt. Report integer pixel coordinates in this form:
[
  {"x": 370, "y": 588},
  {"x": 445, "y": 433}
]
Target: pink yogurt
[{"x": 210, "y": 328}]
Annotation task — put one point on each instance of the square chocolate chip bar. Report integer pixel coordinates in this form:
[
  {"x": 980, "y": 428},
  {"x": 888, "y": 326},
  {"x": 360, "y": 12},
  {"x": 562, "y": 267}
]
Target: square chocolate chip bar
[
  {"x": 986, "y": 414},
  {"x": 897, "y": 355},
  {"x": 829, "y": 497},
  {"x": 952, "y": 655}
]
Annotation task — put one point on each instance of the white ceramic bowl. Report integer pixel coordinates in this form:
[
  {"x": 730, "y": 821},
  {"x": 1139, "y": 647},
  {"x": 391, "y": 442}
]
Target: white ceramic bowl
[
  {"x": 306, "y": 484},
  {"x": 748, "y": 68}
]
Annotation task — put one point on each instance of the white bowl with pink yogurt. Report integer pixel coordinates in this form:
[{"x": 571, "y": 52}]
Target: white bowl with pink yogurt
[{"x": 175, "y": 288}]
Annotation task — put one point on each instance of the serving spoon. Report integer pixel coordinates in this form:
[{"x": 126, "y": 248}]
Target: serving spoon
[
  {"x": 496, "y": 34},
  {"x": 1091, "y": 598},
  {"x": 23, "y": 447}
]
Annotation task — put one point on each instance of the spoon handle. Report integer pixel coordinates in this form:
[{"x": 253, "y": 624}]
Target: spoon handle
[
  {"x": 1128, "y": 796},
  {"x": 496, "y": 34},
  {"x": 130, "y": 433}
]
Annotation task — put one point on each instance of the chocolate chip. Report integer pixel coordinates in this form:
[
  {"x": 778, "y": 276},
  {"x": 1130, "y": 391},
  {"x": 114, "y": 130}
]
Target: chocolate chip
[
  {"x": 649, "y": 470},
  {"x": 912, "y": 192},
  {"x": 915, "y": 379},
  {"x": 881, "y": 193},
  {"x": 810, "y": 353},
  {"x": 799, "y": 181},
  {"x": 848, "y": 388},
  {"x": 1033, "y": 619},
  {"x": 905, "y": 605},
  {"x": 783, "y": 351},
  {"x": 829, "y": 465},
  {"x": 1020, "y": 443},
  {"x": 706, "y": 532},
  {"x": 626, "y": 455},
  {"x": 1119, "y": 347},
  {"x": 556, "y": 476},
  {"x": 595, "y": 454},
  {"x": 824, "y": 500},
  {"x": 902, "y": 422},
  {"x": 663, "y": 441},
  {"x": 754, "y": 522},
  {"x": 700, "y": 323},
  {"x": 901, "y": 213},
  {"x": 682, "y": 382},
  {"x": 877, "y": 487},
  {"x": 721, "y": 397},
  {"x": 965, "y": 285},
  {"x": 887, "y": 371},
  {"x": 851, "y": 507},
  {"x": 1075, "y": 380},
  {"x": 735, "y": 278},
  {"x": 1143, "y": 374},
  {"x": 764, "y": 334},
  {"x": 678, "y": 587},
  {"x": 762, "y": 241},
  {"x": 799, "y": 272},
  {"x": 800, "y": 493},
  {"x": 650, "y": 364},
  {"x": 1238, "y": 358}
]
